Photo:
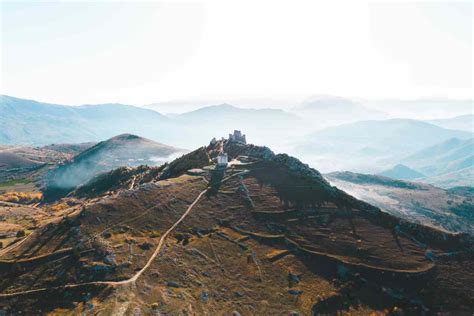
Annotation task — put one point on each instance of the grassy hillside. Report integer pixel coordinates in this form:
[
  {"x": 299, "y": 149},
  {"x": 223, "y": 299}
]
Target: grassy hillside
[{"x": 269, "y": 236}]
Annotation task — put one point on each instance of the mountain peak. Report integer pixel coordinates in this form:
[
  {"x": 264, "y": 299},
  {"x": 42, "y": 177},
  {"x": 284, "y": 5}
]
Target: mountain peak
[
  {"x": 402, "y": 172},
  {"x": 126, "y": 137}
]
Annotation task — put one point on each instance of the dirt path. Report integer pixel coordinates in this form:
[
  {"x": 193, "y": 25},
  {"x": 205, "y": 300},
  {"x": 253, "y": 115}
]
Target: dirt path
[
  {"x": 128, "y": 281},
  {"x": 140, "y": 272},
  {"x": 133, "y": 182},
  {"x": 14, "y": 245}
]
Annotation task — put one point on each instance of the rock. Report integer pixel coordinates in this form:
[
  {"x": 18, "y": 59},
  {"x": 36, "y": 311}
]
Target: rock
[
  {"x": 109, "y": 260},
  {"x": 125, "y": 264},
  {"x": 20, "y": 233},
  {"x": 293, "y": 279},
  {"x": 342, "y": 271},
  {"x": 293, "y": 313},
  {"x": 243, "y": 246},
  {"x": 204, "y": 296},
  {"x": 145, "y": 246},
  {"x": 172, "y": 284},
  {"x": 238, "y": 294},
  {"x": 295, "y": 292},
  {"x": 430, "y": 255},
  {"x": 235, "y": 313}
]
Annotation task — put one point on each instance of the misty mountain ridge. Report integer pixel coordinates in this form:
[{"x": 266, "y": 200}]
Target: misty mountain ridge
[
  {"x": 35, "y": 123},
  {"x": 449, "y": 163},
  {"x": 122, "y": 150},
  {"x": 327, "y": 102},
  {"x": 462, "y": 122},
  {"x": 371, "y": 146},
  {"x": 422, "y": 108},
  {"x": 402, "y": 172},
  {"x": 331, "y": 111}
]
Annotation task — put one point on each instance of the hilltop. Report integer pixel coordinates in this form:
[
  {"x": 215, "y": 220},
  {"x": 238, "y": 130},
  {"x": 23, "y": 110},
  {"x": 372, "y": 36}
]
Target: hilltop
[
  {"x": 121, "y": 150},
  {"x": 265, "y": 235},
  {"x": 402, "y": 172}
]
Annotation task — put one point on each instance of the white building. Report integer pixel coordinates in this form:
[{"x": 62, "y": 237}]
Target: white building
[{"x": 222, "y": 159}]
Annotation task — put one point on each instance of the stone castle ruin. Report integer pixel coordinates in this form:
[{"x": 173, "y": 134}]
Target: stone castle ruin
[{"x": 237, "y": 136}]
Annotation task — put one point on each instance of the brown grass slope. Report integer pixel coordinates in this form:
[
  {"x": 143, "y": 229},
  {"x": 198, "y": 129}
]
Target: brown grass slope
[{"x": 270, "y": 237}]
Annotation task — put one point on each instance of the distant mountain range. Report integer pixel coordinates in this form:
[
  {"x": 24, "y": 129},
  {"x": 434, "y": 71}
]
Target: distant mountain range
[
  {"x": 446, "y": 164},
  {"x": 371, "y": 146},
  {"x": 463, "y": 122},
  {"x": 449, "y": 163},
  {"x": 423, "y": 109},
  {"x": 325, "y": 111},
  {"x": 262, "y": 125},
  {"x": 29, "y": 122}
]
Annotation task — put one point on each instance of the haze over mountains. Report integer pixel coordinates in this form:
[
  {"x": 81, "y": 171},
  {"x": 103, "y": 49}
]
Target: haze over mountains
[
  {"x": 330, "y": 111},
  {"x": 34, "y": 123},
  {"x": 421, "y": 203},
  {"x": 450, "y": 163},
  {"x": 122, "y": 150},
  {"x": 330, "y": 133},
  {"x": 29, "y": 122},
  {"x": 402, "y": 172},
  {"x": 371, "y": 146},
  {"x": 462, "y": 122}
]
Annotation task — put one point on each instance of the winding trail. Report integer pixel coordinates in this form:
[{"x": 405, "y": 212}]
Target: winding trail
[
  {"x": 133, "y": 182},
  {"x": 141, "y": 271},
  {"x": 124, "y": 282}
]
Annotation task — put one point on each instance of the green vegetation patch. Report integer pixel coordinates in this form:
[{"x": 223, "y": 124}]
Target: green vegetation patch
[{"x": 14, "y": 182}]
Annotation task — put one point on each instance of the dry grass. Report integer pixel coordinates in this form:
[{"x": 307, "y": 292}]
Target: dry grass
[
  {"x": 57, "y": 207},
  {"x": 21, "y": 197},
  {"x": 221, "y": 268}
]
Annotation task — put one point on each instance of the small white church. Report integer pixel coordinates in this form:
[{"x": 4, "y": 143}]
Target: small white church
[{"x": 222, "y": 160}]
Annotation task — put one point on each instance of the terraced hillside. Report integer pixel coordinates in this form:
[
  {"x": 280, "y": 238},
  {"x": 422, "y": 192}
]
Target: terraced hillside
[{"x": 266, "y": 236}]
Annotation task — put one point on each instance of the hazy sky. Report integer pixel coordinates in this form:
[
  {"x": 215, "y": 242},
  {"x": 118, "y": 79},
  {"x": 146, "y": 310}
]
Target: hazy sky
[{"x": 140, "y": 53}]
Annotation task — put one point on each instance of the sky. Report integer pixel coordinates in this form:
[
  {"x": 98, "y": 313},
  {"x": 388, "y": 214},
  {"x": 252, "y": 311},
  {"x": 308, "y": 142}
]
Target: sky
[{"x": 147, "y": 52}]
